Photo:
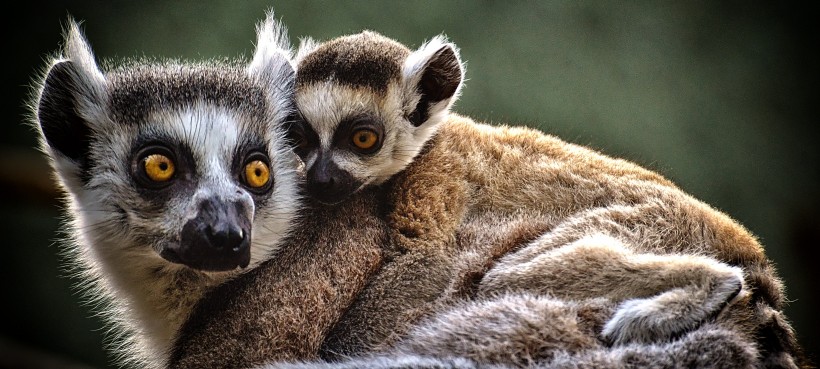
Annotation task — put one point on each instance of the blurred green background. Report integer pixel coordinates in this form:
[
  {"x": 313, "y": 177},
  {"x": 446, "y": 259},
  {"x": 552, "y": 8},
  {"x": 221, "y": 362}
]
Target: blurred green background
[{"x": 718, "y": 96}]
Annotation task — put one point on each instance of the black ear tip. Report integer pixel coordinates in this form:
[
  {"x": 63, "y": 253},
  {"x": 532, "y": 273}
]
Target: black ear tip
[
  {"x": 58, "y": 72},
  {"x": 63, "y": 128},
  {"x": 447, "y": 52},
  {"x": 443, "y": 74}
]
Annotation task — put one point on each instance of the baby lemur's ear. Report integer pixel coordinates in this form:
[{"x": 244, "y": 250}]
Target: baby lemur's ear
[
  {"x": 70, "y": 105},
  {"x": 272, "y": 58},
  {"x": 435, "y": 73}
]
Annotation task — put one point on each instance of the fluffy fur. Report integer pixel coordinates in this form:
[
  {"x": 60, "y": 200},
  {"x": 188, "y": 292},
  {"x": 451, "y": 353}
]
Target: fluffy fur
[
  {"x": 283, "y": 309},
  {"x": 93, "y": 124},
  {"x": 495, "y": 214},
  {"x": 470, "y": 170},
  {"x": 526, "y": 331}
]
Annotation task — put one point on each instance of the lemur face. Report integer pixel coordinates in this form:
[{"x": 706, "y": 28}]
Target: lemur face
[
  {"x": 367, "y": 105},
  {"x": 184, "y": 163}
]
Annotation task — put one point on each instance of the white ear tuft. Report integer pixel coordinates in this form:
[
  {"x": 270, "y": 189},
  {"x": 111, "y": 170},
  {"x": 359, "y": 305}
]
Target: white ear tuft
[
  {"x": 419, "y": 58},
  {"x": 306, "y": 46},
  {"x": 272, "y": 66},
  {"x": 272, "y": 44},
  {"x": 77, "y": 50},
  {"x": 434, "y": 73}
]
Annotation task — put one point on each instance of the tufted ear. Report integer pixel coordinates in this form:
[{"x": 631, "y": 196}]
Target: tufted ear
[
  {"x": 272, "y": 57},
  {"x": 70, "y": 102},
  {"x": 306, "y": 46},
  {"x": 435, "y": 73}
]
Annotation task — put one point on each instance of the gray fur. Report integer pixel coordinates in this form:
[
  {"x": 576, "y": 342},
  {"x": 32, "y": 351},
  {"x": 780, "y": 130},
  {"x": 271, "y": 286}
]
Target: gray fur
[
  {"x": 541, "y": 331},
  {"x": 93, "y": 124}
]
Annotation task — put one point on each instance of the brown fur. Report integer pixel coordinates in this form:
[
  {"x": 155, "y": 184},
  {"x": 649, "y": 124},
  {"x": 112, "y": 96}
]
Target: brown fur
[
  {"x": 282, "y": 309},
  {"x": 484, "y": 212},
  {"x": 474, "y": 172}
]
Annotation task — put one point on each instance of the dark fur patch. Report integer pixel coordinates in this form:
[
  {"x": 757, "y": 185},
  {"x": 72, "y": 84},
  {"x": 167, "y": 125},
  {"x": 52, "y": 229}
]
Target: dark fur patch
[
  {"x": 138, "y": 90},
  {"x": 366, "y": 60},
  {"x": 442, "y": 75},
  {"x": 439, "y": 81},
  {"x": 63, "y": 128}
]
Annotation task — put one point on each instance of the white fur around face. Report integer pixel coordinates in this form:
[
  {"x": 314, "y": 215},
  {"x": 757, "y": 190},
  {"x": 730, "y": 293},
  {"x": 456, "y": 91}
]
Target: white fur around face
[
  {"x": 117, "y": 239},
  {"x": 115, "y": 233},
  {"x": 325, "y": 105}
]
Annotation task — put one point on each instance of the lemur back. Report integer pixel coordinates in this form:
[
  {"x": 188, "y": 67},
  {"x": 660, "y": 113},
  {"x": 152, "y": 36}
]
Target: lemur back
[{"x": 176, "y": 175}]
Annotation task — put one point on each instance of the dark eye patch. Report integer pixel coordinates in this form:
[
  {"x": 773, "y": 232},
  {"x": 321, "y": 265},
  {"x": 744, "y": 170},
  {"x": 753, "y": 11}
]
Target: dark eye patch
[
  {"x": 252, "y": 147},
  {"x": 185, "y": 172},
  {"x": 345, "y": 130},
  {"x": 301, "y": 137}
]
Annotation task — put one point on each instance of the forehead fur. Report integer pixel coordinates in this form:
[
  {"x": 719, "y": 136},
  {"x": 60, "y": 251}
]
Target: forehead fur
[
  {"x": 366, "y": 59},
  {"x": 138, "y": 90}
]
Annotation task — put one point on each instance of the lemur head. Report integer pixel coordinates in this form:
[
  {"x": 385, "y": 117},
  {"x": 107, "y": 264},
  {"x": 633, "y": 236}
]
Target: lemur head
[
  {"x": 169, "y": 163},
  {"x": 367, "y": 106}
]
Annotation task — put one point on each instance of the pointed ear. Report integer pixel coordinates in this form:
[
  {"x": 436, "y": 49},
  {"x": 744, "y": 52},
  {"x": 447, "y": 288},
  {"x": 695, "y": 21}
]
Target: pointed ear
[
  {"x": 272, "y": 56},
  {"x": 435, "y": 73},
  {"x": 70, "y": 101}
]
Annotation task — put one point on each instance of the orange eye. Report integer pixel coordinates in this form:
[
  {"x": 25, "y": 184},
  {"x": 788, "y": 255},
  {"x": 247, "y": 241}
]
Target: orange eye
[
  {"x": 257, "y": 174},
  {"x": 158, "y": 167},
  {"x": 365, "y": 139}
]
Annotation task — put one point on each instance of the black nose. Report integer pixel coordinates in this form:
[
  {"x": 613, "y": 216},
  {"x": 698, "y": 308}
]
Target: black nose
[
  {"x": 216, "y": 239},
  {"x": 225, "y": 236},
  {"x": 328, "y": 183},
  {"x": 322, "y": 179}
]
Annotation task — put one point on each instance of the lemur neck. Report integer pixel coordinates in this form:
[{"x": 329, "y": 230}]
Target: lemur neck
[{"x": 154, "y": 296}]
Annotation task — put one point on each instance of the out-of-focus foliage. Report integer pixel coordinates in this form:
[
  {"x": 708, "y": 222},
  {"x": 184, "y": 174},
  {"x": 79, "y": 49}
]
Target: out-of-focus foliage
[{"x": 715, "y": 95}]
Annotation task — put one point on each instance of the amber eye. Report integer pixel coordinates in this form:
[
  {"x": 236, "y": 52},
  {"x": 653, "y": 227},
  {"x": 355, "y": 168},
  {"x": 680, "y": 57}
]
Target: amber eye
[
  {"x": 158, "y": 167},
  {"x": 365, "y": 139},
  {"x": 257, "y": 174}
]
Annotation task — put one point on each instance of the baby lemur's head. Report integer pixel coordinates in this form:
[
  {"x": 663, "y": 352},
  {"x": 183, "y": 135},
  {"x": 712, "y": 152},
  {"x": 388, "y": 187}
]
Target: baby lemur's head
[
  {"x": 367, "y": 105},
  {"x": 169, "y": 163}
]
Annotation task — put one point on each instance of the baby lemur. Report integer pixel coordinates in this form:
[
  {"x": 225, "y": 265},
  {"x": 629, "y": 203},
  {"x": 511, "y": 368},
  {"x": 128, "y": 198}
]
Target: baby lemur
[
  {"x": 176, "y": 177},
  {"x": 375, "y": 114},
  {"x": 368, "y": 106}
]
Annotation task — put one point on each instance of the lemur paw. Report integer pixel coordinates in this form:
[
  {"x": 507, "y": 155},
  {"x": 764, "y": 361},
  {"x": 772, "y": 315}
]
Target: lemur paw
[{"x": 672, "y": 313}]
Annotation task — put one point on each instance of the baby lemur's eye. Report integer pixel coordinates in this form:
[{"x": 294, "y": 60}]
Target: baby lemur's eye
[
  {"x": 158, "y": 167},
  {"x": 365, "y": 138},
  {"x": 257, "y": 174}
]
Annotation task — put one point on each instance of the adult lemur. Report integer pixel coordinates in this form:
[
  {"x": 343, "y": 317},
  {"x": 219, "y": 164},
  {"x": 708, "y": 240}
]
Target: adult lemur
[
  {"x": 175, "y": 174},
  {"x": 495, "y": 214}
]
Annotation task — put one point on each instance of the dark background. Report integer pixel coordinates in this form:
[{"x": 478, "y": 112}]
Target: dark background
[{"x": 718, "y": 96}]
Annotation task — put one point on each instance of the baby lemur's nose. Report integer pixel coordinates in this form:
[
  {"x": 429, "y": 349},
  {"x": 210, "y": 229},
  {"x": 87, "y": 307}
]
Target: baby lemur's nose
[
  {"x": 323, "y": 174},
  {"x": 328, "y": 183}
]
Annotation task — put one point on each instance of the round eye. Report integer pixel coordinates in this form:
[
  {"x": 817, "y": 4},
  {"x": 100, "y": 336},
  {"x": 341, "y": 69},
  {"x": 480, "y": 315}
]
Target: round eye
[
  {"x": 158, "y": 167},
  {"x": 257, "y": 174},
  {"x": 365, "y": 139}
]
